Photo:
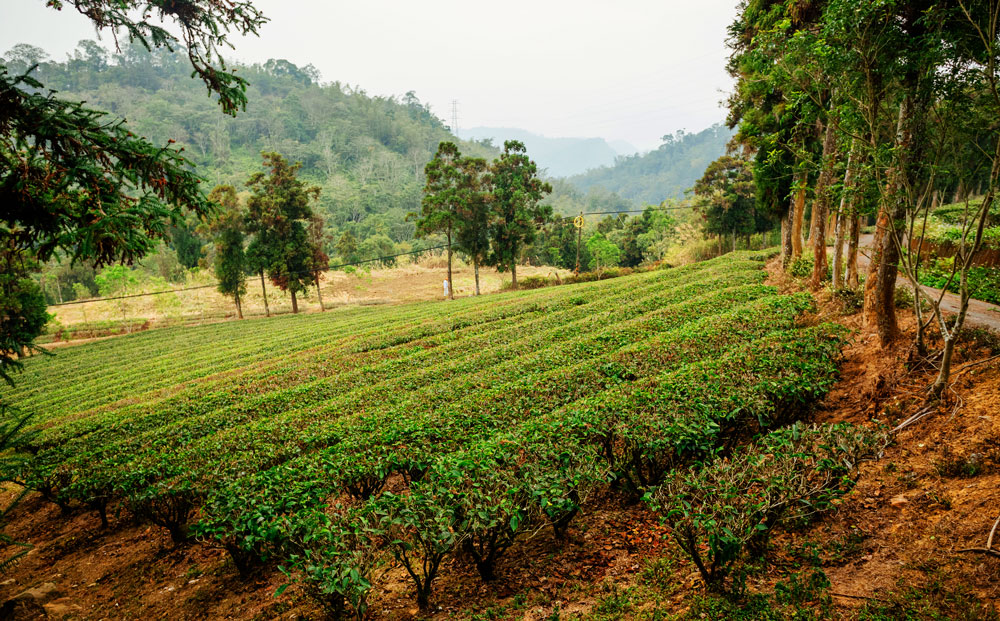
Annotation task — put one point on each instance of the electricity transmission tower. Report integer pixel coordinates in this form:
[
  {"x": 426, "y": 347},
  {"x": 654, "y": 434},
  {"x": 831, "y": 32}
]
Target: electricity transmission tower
[{"x": 454, "y": 117}]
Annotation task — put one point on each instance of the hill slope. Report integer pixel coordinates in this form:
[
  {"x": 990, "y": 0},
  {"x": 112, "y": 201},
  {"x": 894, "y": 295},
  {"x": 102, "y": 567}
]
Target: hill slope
[
  {"x": 367, "y": 153},
  {"x": 560, "y": 157},
  {"x": 272, "y": 438},
  {"x": 664, "y": 173}
]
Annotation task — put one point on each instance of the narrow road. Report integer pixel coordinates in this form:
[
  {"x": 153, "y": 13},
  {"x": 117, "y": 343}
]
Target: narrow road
[{"x": 980, "y": 314}]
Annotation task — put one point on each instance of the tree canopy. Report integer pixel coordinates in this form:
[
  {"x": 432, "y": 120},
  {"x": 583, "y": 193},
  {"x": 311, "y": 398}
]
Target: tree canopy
[{"x": 75, "y": 181}]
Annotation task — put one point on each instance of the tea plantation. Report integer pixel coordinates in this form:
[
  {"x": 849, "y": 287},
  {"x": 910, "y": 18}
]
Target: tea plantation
[{"x": 333, "y": 444}]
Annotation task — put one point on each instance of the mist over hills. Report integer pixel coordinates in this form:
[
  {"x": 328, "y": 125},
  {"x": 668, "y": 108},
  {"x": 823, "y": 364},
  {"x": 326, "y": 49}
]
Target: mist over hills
[{"x": 560, "y": 157}]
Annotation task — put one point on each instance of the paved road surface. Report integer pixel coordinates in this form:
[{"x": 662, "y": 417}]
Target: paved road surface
[{"x": 980, "y": 314}]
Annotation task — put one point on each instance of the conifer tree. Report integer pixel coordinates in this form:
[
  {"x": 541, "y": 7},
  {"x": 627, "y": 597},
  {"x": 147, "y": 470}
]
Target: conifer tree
[
  {"x": 230, "y": 258},
  {"x": 516, "y": 190},
  {"x": 439, "y": 208},
  {"x": 278, "y": 212},
  {"x": 73, "y": 182}
]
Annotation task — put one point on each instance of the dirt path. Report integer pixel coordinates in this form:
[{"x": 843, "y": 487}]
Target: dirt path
[{"x": 980, "y": 315}]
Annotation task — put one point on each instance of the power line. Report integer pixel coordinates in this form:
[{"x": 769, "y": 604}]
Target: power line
[
  {"x": 330, "y": 267},
  {"x": 601, "y": 213},
  {"x": 340, "y": 265}
]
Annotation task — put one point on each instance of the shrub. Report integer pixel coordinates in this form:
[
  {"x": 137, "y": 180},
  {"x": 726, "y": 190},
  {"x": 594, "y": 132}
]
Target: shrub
[
  {"x": 721, "y": 511},
  {"x": 333, "y": 555}
]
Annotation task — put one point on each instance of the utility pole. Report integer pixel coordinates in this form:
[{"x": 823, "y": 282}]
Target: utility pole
[
  {"x": 454, "y": 117},
  {"x": 578, "y": 223}
]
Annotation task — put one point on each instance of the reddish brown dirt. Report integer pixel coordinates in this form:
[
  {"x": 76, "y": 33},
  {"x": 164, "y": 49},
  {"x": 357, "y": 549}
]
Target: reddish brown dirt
[{"x": 902, "y": 526}]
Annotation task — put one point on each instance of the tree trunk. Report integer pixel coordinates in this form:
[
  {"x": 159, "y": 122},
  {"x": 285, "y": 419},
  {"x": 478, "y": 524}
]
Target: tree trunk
[
  {"x": 319, "y": 294},
  {"x": 475, "y": 269},
  {"x": 295, "y": 303},
  {"x": 843, "y": 212},
  {"x": 880, "y": 286},
  {"x": 579, "y": 236},
  {"x": 799, "y": 206},
  {"x": 821, "y": 205},
  {"x": 451, "y": 283},
  {"x": 239, "y": 306},
  {"x": 513, "y": 274},
  {"x": 267, "y": 310},
  {"x": 786, "y": 238},
  {"x": 853, "y": 240}
]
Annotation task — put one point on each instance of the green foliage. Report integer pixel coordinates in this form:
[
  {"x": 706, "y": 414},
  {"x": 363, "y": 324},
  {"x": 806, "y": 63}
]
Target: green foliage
[
  {"x": 724, "y": 510},
  {"x": 603, "y": 253},
  {"x": 516, "y": 190},
  {"x": 72, "y": 181},
  {"x": 366, "y": 152},
  {"x": 725, "y": 196},
  {"x": 334, "y": 444},
  {"x": 278, "y": 211},
  {"x": 667, "y": 172},
  {"x": 24, "y": 312},
  {"x": 230, "y": 257},
  {"x": 983, "y": 282},
  {"x": 13, "y": 440}
]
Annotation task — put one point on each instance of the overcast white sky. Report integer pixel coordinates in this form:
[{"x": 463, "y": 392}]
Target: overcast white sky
[{"x": 629, "y": 70}]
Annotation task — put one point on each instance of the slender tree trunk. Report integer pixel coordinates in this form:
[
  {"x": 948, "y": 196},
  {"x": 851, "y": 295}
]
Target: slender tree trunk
[
  {"x": 263, "y": 287},
  {"x": 319, "y": 294},
  {"x": 295, "y": 303},
  {"x": 810, "y": 238},
  {"x": 843, "y": 213},
  {"x": 786, "y": 240},
  {"x": 475, "y": 269},
  {"x": 734, "y": 240},
  {"x": 798, "y": 212},
  {"x": 451, "y": 283},
  {"x": 513, "y": 274},
  {"x": 579, "y": 236},
  {"x": 853, "y": 240},
  {"x": 239, "y": 306},
  {"x": 821, "y": 205},
  {"x": 959, "y": 191},
  {"x": 880, "y": 286}
]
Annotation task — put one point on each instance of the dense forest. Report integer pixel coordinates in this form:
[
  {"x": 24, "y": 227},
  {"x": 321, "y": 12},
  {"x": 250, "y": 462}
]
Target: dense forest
[
  {"x": 367, "y": 153},
  {"x": 668, "y": 172}
]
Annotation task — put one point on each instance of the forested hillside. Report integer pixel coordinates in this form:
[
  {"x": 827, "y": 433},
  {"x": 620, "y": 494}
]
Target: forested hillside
[
  {"x": 664, "y": 173},
  {"x": 367, "y": 153}
]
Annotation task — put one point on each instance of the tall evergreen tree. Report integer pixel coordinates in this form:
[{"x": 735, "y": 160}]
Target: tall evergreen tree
[
  {"x": 517, "y": 191},
  {"x": 438, "y": 210},
  {"x": 726, "y": 198},
  {"x": 473, "y": 208},
  {"x": 73, "y": 182},
  {"x": 230, "y": 257},
  {"x": 278, "y": 212}
]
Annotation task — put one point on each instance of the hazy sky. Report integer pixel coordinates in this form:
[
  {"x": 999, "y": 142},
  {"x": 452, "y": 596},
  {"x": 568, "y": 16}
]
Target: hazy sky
[{"x": 629, "y": 70}]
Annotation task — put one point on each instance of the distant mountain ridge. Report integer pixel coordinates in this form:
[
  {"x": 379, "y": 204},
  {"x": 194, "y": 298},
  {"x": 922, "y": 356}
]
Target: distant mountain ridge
[
  {"x": 560, "y": 157},
  {"x": 666, "y": 172}
]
